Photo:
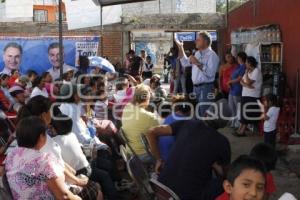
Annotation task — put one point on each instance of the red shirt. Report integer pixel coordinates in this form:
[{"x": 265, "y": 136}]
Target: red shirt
[
  {"x": 270, "y": 186},
  {"x": 223, "y": 196},
  {"x": 225, "y": 77}
]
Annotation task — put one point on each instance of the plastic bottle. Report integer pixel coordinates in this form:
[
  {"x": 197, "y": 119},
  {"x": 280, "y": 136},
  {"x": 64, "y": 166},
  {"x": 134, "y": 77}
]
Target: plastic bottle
[
  {"x": 232, "y": 37},
  {"x": 278, "y": 35},
  {"x": 273, "y": 52},
  {"x": 278, "y": 53}
]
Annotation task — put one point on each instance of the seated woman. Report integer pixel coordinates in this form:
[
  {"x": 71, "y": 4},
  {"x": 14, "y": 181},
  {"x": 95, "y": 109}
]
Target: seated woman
[
  {"x": 71, "y": 149},
  {"x": 33, "y": 174},
  {"x": 40, "y": 106},
  {"x": 71, "y": 106},
  {"x": 136, "y": 120}
]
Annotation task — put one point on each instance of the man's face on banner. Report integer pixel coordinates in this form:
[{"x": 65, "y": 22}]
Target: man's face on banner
[
  {"x": 12, "y": 58},
  {"x": 54, "y": 57}
]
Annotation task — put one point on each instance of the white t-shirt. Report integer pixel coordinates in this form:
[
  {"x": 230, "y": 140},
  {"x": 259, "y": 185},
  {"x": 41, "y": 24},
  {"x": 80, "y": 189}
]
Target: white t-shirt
[
  {"x": 71, "y": 151},
  {"x": 52, "y": 147},
  {"x": 256, "y": 76},
  {"x": 37, "y": 91},
  {"x": 270, "y": 124}
]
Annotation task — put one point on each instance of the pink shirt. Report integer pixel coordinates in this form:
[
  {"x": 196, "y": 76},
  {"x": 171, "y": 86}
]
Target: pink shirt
[{"x": 28, "y": 170}]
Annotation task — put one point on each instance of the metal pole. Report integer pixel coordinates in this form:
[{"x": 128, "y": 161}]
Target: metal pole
[
  {"x": 297, "y": 105},
  {"x": 60, "y": 30},
  {"x": 101, "y": 29},
  {"x": 296, "y": 133},
  {"x": 227, "y": 11}
]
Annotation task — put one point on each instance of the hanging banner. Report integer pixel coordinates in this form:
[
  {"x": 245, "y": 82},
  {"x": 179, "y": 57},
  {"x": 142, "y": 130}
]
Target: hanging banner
[
  {"x": 82, "y": 14},
  {"x": 32, "y": 52},
  {"x": 16, "y": 9},
  {"x": 111, "y": 14}
]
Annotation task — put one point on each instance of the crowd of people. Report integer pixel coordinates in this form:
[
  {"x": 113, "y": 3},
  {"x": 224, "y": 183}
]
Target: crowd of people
[{"x": 59, "y": 133}]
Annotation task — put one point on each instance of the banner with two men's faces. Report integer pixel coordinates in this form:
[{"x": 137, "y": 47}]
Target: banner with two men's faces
[{"x": 36, "y": 53}]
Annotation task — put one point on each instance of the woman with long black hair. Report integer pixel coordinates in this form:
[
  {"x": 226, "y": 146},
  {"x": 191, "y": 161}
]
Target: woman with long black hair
[{"x": 252, "y": 83}]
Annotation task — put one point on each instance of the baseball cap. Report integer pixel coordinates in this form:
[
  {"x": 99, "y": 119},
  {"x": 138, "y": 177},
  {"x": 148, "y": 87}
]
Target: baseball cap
[{"x": 15, "y": 90}]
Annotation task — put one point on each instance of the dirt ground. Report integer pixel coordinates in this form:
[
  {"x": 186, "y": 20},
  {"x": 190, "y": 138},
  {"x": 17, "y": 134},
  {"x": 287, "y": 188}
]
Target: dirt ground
[{"x": 287, "y": 172}]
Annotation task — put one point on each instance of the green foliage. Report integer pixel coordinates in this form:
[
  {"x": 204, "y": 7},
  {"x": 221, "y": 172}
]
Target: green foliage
[{"x": 232, "y": 4}]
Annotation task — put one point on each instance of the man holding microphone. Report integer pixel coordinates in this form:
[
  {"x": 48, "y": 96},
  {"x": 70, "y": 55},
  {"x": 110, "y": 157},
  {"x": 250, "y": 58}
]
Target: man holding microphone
[{"x": 205, "y": 64}]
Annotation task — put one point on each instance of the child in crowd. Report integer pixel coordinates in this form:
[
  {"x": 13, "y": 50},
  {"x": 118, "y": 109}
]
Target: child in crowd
[
  {"x": 266, "y": 154},
  {"x": 245, "y": 180},
  {"x": 14, "y": 76},
  {"x": 101, "y": 105},
  {"x": 270, "y": 117},
  {"x": 122, "y": 84},
  {"x": 31, "y": 74},
  {"x": 148, "y": 68}
]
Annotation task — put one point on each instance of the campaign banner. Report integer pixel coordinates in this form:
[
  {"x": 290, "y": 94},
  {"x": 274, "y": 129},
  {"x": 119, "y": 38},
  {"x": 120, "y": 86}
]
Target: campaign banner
[
  {"x": 186, "y": 36},
  {"x": 27, "y": 53},
  {"x": 89, "y": 49}
]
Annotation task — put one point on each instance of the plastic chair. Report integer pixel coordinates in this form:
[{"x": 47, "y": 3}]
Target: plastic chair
[
  {"x": 124, "y": 153},
  {"x": 162, "y": 192},
  {"x": 126, "y": 141},
  {"x": 146, "y": 145},
  {"x": 140, "y": 176}
]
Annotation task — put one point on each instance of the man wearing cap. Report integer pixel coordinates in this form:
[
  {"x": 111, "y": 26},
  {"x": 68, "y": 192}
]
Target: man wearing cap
[
  {"x": 12, "y": 55},
  {"x": 198, "y": 150},
  {"x": 18, "y": 93},
  {"x": 54, "y": 58}
]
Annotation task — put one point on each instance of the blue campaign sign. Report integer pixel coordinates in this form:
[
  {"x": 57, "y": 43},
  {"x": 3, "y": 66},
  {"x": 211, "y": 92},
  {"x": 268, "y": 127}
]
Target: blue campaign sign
[
  {"x": 35, "y": 51},
  {"x": 186, "y": 36},
  {"x": 213, "y": 35}
]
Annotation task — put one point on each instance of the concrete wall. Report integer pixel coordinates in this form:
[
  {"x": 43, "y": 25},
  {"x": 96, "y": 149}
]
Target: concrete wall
[{"x": 170, "y": 6}]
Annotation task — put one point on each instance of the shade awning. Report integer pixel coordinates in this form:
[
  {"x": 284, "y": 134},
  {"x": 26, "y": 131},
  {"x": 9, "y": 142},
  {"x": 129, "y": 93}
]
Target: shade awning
[{"x": 116, "y": 2}]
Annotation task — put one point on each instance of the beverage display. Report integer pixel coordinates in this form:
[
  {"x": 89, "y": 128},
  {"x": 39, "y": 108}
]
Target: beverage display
[{"x": 269, "y": 34}]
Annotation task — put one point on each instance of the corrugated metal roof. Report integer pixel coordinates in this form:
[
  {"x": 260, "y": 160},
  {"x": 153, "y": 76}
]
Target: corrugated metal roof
[{"x": 116, "y": 2}]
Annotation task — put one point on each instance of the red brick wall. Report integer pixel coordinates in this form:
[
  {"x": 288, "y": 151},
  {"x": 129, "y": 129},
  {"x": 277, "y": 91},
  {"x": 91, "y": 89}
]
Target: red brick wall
[
  {"x": 286, "y": 13},
  {"x": 112, "y": 46}
]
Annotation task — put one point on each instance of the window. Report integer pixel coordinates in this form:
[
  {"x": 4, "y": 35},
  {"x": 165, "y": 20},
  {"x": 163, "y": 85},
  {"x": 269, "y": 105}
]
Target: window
[
  {"x": 63, "y": 16},
  {"x": 40, "y": 15}
]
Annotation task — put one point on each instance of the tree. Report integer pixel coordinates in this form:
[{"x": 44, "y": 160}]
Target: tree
[{"x": 221, "y": 5}]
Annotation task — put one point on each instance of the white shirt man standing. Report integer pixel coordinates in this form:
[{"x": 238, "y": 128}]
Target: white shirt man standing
[
  {"x": 205, "y": 64},
  {"x": 54, "y": 58},
  {"x": 12, "y": 55}
]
